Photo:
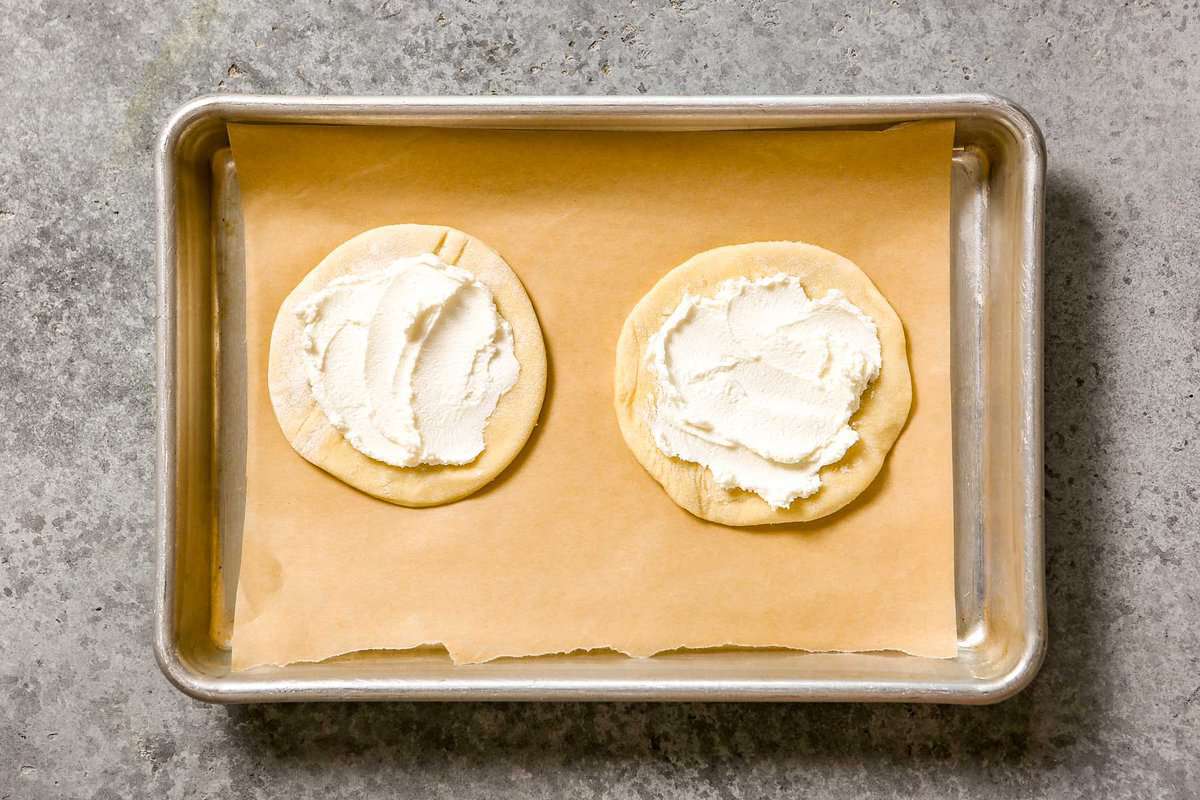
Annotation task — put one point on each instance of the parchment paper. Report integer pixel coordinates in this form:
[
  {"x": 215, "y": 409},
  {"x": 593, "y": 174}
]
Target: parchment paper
[{"x": 575, "y": 546}]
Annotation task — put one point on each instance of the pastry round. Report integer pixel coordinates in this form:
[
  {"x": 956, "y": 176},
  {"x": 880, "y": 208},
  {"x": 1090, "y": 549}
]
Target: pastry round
[
  {"x": 881, "y": 415},
  {"x": 508, "y": 428}
]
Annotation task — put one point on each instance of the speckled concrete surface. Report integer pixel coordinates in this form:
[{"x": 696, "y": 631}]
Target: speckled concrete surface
[{"x": 83, "y": 709}]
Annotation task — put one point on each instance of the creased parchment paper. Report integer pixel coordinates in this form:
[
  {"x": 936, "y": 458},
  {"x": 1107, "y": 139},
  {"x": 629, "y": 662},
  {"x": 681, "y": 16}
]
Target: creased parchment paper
[{"x": 575, "y": 546}]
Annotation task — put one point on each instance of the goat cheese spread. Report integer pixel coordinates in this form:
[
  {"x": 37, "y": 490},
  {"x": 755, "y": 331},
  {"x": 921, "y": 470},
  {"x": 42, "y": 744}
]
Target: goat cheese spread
[
  {"x": 408, "y": 361},
  {"x": 758, "y": 383}
]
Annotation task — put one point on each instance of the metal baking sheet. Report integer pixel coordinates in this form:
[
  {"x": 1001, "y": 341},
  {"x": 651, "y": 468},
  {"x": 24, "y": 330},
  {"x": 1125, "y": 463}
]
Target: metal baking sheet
[{"x": 996, "y": 262}]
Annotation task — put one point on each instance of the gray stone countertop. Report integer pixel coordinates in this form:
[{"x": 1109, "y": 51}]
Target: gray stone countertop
[{"x": 84, "y": 711}]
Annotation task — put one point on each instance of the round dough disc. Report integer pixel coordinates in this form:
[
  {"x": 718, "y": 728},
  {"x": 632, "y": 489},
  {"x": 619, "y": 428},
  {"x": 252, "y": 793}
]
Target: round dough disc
[
  {"x": 882, "y": 414},
  {"x": 304, "y": 423}
]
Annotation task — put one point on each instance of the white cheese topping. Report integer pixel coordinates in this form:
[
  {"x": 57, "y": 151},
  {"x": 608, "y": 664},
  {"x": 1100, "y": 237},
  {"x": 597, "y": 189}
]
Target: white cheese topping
[
  {"x": 758, "y": 383},
  {"x": 408, "y": 361}
]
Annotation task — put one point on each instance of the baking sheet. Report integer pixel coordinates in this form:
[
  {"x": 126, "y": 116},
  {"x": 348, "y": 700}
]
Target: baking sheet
[{"x": 575, "y": 547}]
